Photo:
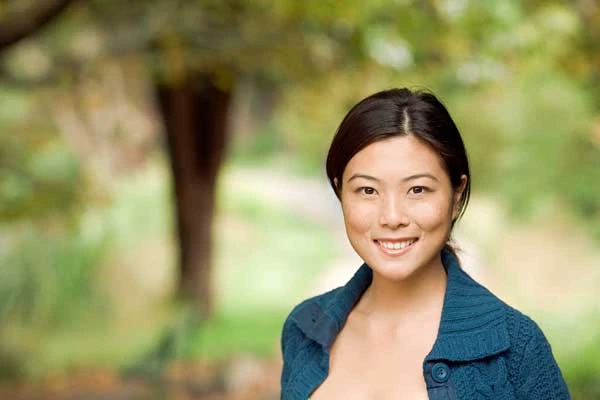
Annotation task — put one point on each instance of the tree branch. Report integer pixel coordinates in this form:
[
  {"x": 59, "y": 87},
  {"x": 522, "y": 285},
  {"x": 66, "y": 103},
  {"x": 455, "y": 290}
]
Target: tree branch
[{"x": 19, "y": 25}]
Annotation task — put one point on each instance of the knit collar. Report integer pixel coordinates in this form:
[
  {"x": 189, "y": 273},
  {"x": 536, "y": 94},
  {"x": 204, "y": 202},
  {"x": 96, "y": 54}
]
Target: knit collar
[{"x": 472, "y": 325}]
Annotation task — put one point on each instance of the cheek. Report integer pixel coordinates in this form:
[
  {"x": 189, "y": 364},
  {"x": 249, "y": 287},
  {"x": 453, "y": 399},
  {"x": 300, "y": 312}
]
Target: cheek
[
  {"x": 358, "y": 218},
  {"x": 432, "y": 214}
]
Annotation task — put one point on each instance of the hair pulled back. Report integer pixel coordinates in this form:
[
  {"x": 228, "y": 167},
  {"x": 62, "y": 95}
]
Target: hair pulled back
[{"x": 399, "y": 112}]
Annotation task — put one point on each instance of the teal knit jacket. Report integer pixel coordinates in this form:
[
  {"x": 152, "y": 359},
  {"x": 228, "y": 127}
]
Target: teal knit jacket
[{"x": 485, "y": 349}]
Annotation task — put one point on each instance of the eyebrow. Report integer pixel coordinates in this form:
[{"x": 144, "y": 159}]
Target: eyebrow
[
  {"x": 368, "y": 177},
  {"x": 406, "y": 179},
  {"x": 417, "y": 176}
]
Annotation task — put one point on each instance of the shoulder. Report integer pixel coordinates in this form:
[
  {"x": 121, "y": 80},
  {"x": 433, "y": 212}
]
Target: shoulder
[
  {"x": 516, "y": 330},
  {"x": 307, "y": 309},
  {"x": 527, "y": 358},
  {"x": 522, "y": 329},
  {"x": 469, "y": 292},
  {"x": 528, "y": 343},
  {"x": 534, "y": 370},
  {"x": 294, "y": 341}
]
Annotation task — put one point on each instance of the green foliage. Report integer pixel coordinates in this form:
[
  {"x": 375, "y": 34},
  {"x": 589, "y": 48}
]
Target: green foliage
[
  {"x": 530, "y": 143},
  {"x": 39, "y": 176},
  {"x": 228, "y": 334},
  {"x": 46, "y": 283},
  {"x": 39, "y": 183},
  {"x": 258, "y": 149},
  {"x": 582, "y": 371},
  {"x": 579, "y": 185},
  {"x": 46, "y": 277},
  {"x": 55, "y": 308},
  {"x": 15, "y": 105},
  {"x": 577, "y": 350}
]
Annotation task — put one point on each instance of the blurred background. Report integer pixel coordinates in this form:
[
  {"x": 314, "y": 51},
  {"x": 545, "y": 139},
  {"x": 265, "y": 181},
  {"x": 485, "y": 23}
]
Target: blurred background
[{"x": 163, "y": 200}]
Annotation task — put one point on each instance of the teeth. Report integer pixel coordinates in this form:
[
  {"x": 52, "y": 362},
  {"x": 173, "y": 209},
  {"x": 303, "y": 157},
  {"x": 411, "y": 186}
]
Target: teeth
[{"x": 397, "y": 245}]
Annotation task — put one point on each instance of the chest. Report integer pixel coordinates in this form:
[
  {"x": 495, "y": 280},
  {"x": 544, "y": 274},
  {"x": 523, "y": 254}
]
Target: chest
[
  {"x": 487, "y": 379},
  {"x": 377, "y": 369}
]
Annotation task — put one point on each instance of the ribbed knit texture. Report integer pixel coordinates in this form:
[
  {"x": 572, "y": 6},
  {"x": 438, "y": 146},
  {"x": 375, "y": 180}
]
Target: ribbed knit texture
[{"x": 491, "y": 350}]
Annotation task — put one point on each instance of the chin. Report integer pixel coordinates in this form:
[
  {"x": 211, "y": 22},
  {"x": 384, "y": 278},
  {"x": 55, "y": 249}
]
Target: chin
[{"x": 394, "y": 271}]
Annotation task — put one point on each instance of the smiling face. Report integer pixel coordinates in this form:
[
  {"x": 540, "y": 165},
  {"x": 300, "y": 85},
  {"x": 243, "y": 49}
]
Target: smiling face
[{"x": 398, "y": 205}]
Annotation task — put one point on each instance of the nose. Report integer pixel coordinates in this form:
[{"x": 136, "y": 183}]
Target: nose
[{"x": 392, "y": 213}]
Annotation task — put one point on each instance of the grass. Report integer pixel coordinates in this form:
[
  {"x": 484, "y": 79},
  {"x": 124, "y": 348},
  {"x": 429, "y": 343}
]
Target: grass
[{"x": 226, "y": 335}]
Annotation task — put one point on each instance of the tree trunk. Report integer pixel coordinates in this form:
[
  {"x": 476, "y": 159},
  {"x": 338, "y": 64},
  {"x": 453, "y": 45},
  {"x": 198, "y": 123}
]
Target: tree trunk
[
  {"x": 15, "y": 26},
  {"x": 195, "y": 116}
]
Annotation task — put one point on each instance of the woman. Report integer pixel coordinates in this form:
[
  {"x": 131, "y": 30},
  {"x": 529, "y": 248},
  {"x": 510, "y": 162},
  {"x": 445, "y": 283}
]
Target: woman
[{"x": 410, "y": 324}]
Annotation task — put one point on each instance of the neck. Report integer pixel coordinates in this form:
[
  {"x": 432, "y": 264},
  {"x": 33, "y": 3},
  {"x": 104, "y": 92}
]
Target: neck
[{"x": 392, "y": 302}]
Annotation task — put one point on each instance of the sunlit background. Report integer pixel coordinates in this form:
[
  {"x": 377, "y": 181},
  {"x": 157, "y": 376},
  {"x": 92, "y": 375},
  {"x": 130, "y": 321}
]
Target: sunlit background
[{"x": 163, "y": 199}]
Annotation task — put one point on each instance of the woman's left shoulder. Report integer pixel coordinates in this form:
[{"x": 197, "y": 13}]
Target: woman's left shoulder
[
  {"x": 535, "y": 371},
  {"x": 523, "y": 331},
  {"x": 521, "y": 328}
]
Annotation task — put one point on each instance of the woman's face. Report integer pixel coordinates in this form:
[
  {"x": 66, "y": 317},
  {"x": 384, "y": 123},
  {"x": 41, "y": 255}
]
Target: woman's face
[{"x": 398, "y": 205}]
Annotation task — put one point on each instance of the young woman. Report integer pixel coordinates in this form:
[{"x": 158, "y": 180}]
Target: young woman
[{"x": 410, "y": 324}]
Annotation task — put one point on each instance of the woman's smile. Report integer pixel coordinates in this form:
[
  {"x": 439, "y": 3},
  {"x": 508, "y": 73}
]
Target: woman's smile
[{"x": 395, "y": 247}]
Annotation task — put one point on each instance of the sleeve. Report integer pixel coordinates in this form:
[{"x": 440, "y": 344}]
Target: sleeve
[
  {"x": 289, "y": 345},
  {"x": 540, "y": 377}
]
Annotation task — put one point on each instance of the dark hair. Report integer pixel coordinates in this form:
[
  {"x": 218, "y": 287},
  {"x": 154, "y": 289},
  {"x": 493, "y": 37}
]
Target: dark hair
[{"x": 398, "y": 112}]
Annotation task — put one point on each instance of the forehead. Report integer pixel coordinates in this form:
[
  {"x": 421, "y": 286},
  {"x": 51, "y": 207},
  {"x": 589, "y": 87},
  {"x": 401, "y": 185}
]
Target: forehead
[{"x": 396, "y": 157}]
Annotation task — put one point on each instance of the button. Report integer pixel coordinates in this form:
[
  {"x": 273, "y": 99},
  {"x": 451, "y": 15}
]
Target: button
[{"x": 440, "y": 372}]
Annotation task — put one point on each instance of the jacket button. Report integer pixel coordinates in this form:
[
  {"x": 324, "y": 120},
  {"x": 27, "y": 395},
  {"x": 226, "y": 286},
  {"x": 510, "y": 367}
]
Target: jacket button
[{"x": 440, "y": 372}]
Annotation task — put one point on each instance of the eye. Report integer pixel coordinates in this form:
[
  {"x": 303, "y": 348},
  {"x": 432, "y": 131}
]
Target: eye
[
  {"x": 418, "y": 190},
  {"x": 367, "y": 190}
]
